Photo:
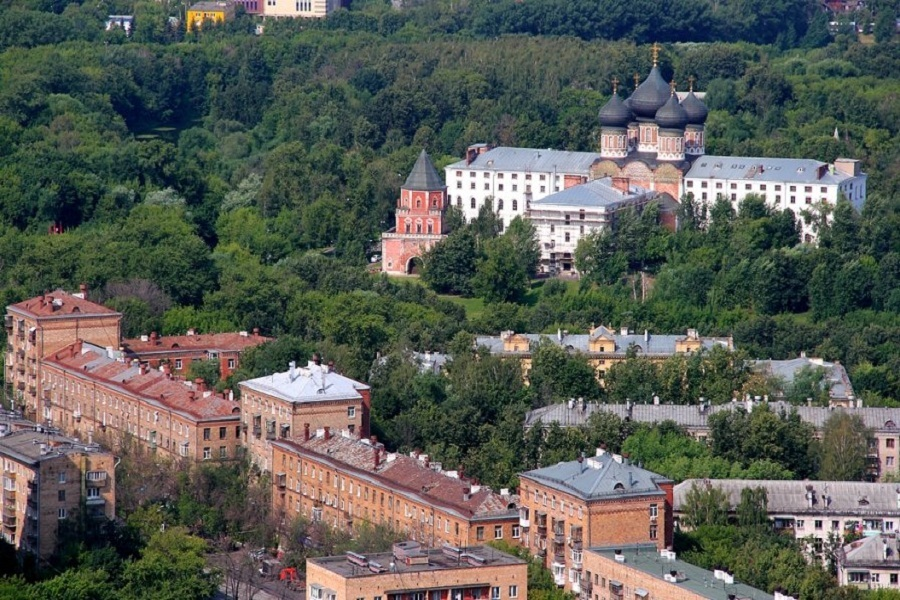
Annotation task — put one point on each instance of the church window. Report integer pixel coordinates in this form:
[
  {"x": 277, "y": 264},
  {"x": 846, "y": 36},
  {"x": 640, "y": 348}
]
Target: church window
[
  {"x": 418, "y": 228},
  {"x": 430, "y": 227},
  {"x": 473, "y": 203},
  {"x": 515, "y": 205},
  {"x": 499, "y": 203},
  {"x": 418, "y": 203}
]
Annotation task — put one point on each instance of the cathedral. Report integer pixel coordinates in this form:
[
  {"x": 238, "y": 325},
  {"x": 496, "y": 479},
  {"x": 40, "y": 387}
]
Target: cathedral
[{"x": 651, "y": 138}]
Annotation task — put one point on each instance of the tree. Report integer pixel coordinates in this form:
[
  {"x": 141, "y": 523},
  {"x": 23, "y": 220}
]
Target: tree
[
  {"x": 450, "y": 265},
  {"x": 704, "y": 505},
  {"x": 844, "y": 446},
  {"x": 500, "y": 276},
  {"x": 557, "y": 374},
  {"x": 207, "y": 370},
  {"x": 752, "y": 511},
  {"x": 523, "y": 236},
  {"x": 171, "y": 567}
]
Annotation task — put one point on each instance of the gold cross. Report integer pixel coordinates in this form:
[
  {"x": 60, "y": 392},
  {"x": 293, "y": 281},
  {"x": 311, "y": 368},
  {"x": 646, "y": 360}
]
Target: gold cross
[
  {"x": 672, "y": 86},
  {"x": 637, "y": 80},
  {"x": 615, "y": 82},
  {"x": 691, "y": 81},
  {"x": 655, "y": 51}
]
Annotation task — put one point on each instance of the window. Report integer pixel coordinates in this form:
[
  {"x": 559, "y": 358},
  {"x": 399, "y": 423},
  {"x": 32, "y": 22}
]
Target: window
[
  {"x": 62, "y": 477},
  {"x": 703, "y": 184},
  {"x": 472, "y": 186},
  {"x": 513, "y": 591},
  {"x": 793, "y": 188},
  {"x": 817, "y": 524},
  {"x": 747, "y": 186},
  {"x": 96, "y": 476},
  {"x": 495, "y": 593},
  {"x": 889, "y": 461},
  {"x": 799, "y": 523},
  {"x": 473, "y": 203},
  {"x": 893, "y": 579},
  {"x": 61, "y": 513},
  {"x": 654, "y": 511},
  {"x": 889, "y": 442},
  {"x": 487, "y": 185},
  {"x": 479, "y": 533},
  {"x": 351, "y": 412},
  {"x": 61, "y": 495},
  {"x": 230, "y": 363},
  {"x": 733, "y": 186},
  {"x": 223, "y": 452},
  {"x": 178, "y": 364},
  {"x": 568, "y": 237},
  {"x": 807, "y": 189},
  {"x": 653, "y": 531},
  {"x": 93, "y": 493},
  {"x": 516, "y": 532},
  {"x": 500, "y": 187},
  {"x": 207, "y": 453},
  {"x": 515, "y": 204},
  {"x": 762, "y": 187},
  {"x": 459, "y": 185},
  {"x": 835, "y": 525},
  {"x": 183, "y": 449},
  {"x": 206, "y": 433},
  {"x": 223, "y": 431},
  {"x": 498, "y": 532}
]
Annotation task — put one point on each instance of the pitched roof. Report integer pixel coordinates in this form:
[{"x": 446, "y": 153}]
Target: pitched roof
[
  {"x": 790, "y": 497},
  {"x": 504, "y": 158},
  {"x": 86, "y": 361},
  {"x": 879, "y": 550},
  {"x": 313, "y": 383},
  {"x": 216, "y": 342},
  {"x": 424, "y": 177},
  {"x": 409, "y": 475},
  {"x": 599, "y": 477},
  {"x": 792, "y": 170},
  {"x": 60, "y": 303},
  {"x": 593, "y": 194},
  {"x": 839, "y": 386}
]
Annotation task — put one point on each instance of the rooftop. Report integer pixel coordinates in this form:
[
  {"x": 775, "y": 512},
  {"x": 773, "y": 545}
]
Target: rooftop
[
  {"x": 216, "y": 342},
  {"x": 421, "y": 560},
  {"x": 413, "y": 475},
  {"x": 313, "y": 383},
  {"x": 594, "y": 194},
  {"x": 836, "y": 378},
  {"x": 60, "y": 303},
  {"x": 646, "y": 558},
  {"x": 504, "y": 158},
  {"x": 880, "y": 551},
  {"x": 155, "y": 386},
  {"x": 35, "y": 445},
  {"x": 645, "y": 343},
  {"x": 792, "y": 170},
  {"x": 211, "y": 6},
  {"x": 790, "y": 497},
  {"x": 424, "y": 177},
  {"x": 599, "y": 477}
]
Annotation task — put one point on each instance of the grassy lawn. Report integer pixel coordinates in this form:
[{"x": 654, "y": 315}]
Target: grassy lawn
[{"x": 473, "y": 306}]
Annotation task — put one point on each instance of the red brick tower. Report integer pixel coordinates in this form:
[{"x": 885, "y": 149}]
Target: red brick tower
[{"x": 420, "y": 219}]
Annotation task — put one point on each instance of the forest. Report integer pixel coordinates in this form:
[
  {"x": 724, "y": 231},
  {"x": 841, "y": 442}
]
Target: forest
[{"x": 223, "y": 180}]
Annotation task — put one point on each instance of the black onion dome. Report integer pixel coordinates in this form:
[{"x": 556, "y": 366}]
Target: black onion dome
[
  {"x": 671, "y": 115},
  {"x": 650, "y": 95},
  {"x": 614, "y": 113},
  {"x": 695, "y": 108}
]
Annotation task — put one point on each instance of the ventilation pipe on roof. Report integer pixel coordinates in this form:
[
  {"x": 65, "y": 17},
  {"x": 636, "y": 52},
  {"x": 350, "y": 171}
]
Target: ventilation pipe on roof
[
  {"x": 292, "y": 370},
  {"x": 327, "y": 432}
]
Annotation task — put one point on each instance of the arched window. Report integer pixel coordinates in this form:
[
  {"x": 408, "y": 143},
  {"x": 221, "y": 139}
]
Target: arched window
[
  {"x": 459, "y": 201},
  {"x": 418, "y": 228},
  {"x": 434, "y": 202},
  {"x": 430, "y": 227},
  {"x": 408, "y": 226},
  {"x": 418, "y": 203},
  {"x": 499, "y": 204},
  {"x": 473, "y": 203},
  {"x": 515, "y": 205}
]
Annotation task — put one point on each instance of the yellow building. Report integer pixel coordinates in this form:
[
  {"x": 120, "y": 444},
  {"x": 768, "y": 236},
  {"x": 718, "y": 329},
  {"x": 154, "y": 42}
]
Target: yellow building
[{"x": 214, "y": 12}]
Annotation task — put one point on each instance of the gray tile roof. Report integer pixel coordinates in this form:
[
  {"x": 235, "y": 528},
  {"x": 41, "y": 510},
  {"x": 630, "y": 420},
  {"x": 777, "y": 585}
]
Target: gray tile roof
[
  {"x": 791, "y": 170},
  {"x": 313, "y": 383},
  {"x": 790, "y": 497},
  {"x": 647, "y": 344},
  {"x": 598, "y": 478},
  {"x": 836, "y": 376},
  {"x": 596, "y": 193},
  {"x": 880, "y": 551},
  {"x": 33, "y": 446},
  {"x": 424, "y": 177},
  {"x": 696, "y": 580},
  {"x": 504, "y": 158}
]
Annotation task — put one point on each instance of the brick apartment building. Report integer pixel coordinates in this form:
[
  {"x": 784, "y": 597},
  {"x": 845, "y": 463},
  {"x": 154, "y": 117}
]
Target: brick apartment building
[
  {"x": 179, "y": 351},
  {"x": 643, "y": 572},
  {"x": 344, "y": 481},
  {"x": 95, "y": 393},
  {"x": 48, "y": 478},
  {"x": 596, "y": 501},
  {"x": 411, "y": 572},
  {"x": 44, "y": 324},
  {"x": 284, "y": 405}
]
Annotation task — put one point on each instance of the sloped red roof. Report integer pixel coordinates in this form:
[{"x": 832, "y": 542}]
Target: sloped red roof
[
  {"x": 409, "y": 474},
  {"x": 206, "y": 341},
  {"x": 92, "y": 363},
  {"x": 60, "y": 303}
]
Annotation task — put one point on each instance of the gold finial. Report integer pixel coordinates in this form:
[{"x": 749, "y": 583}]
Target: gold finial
[
  {"x": 655, "y": 51},
  {"x": 615, "y": 82},
  {"x": 691, "y": 81},
  {"x": 672, "y": 86},
  {"x": 637, "y": 80}
]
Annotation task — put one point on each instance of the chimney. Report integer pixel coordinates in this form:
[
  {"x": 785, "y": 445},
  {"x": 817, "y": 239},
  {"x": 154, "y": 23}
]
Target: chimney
[
  {"x": 306, "y": 432},
  {"x": 621, "y": 184},
  {"x": 84, "y": 290},
  {"x": 292, "y": 370},
  {"x": 154, "y": 338},
  {"x": 256, "y": 331},
  {"x": 192, "y": 395},
  {"x": 316, "y": 359},
  {"x": 201, "y": 385},
  {"x": 327, "y": 433},
  {"x": 376, "y": 454},
  {"x": 374, "y": 440},
  {"x": 191, "y": 331}
]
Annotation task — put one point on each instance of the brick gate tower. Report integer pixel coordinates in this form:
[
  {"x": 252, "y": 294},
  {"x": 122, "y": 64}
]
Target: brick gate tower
[{"x": 421, "y": 212}]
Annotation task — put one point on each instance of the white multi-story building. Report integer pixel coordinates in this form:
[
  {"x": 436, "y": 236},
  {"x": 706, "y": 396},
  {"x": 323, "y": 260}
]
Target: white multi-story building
[
  {"x": 795, "y": 184},
  {"x": 563, "y": 218},
  {"x": 871, "y": 563},
  {"x": 299, "y": 8},
  {"x": 512, "y": 178}
]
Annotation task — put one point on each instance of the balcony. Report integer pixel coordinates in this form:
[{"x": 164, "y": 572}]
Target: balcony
[
  {"x": 9, "y": 522},
  {"x": 21, "y": 353},
  {"x": 270, "y": 434},
  {"x": 524, "y": 522},
  {"x": 32, "y": 390},
  {"x": 281, "y": 480},
  {"x": 20, "y": 386},
  {"x": 20, "y": 368},
  {"x": 257, "y": 431},
  {"x": 559, "y": 558},
  {"x": 8, "y": 321},
  {"x": 559, "y": 537},
  {"x": 577, "y": 560},
  {"x": 9, "y": 510}
]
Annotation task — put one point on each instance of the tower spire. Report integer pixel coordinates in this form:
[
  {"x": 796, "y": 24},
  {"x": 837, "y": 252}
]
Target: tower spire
[{"x": 655, "y": 52}]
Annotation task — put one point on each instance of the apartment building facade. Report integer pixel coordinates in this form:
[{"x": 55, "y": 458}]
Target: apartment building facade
[
  {"x": 603, "y": 347},
  {"x": 344, "y": 481},
  {"x": 871, "y": 563},
  {"x": 95, "y": 393},
  {"x": 813, "y": 510},
  {"x": 48, "y": 478},
  {"x": 283, "y": 406},
  {"x": 43, "y": 324},
  {"x": 592, "y": 501},
  {"x": 179, "y": 351},
  {"x": 411, "y": 572}
]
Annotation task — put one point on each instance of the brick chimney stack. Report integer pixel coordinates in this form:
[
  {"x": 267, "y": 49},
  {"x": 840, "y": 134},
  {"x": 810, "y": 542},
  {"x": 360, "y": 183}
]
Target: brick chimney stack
[
  {"x": 621, "y": 184},
  {"x": 327, "y": 432},
  {"x": 306, "y": 432},
  {"x": 84, "y": 290}
]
